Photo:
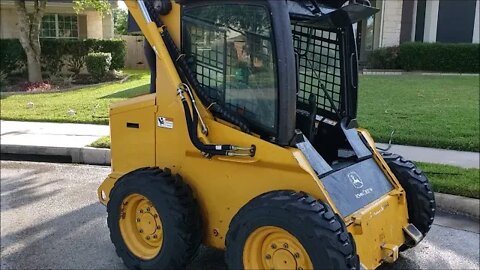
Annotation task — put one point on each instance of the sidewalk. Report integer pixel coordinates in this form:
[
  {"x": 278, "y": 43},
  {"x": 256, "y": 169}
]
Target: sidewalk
[
  {"x": 72, "y": 139},
  {"x": 54, "y": 139}
]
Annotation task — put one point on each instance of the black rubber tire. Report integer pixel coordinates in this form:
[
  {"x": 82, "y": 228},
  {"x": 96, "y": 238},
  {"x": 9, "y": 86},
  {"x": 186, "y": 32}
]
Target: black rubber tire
[
  {"x": 420, "y": 196},
  {"x": 320, "y": 231},
  {"x": 177, "y": 209}
]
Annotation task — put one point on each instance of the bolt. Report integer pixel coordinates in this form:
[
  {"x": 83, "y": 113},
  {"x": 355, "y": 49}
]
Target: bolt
[
  {"x": 138, "y": 220},
  {"x": 155, "y": 216},
  {"x": 274, "y": 246},
  {"x": 148, "y": 237},
  {"x": 268, "y": 257},
  {"x": 285, "y": 245},
  {"x": 296, "y": 255},
  {"x": 155, "y": 236},
  {"x": 141, "y": 231},
  {"x": 148, "y": 209},
  {"x": 141, "y": 211},
  {"x": 158, "y": 227}
]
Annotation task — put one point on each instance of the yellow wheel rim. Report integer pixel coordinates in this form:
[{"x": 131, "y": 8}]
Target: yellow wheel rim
[
  {"x": 271, "y": 247},
  {"x": 141, "y": 227}
]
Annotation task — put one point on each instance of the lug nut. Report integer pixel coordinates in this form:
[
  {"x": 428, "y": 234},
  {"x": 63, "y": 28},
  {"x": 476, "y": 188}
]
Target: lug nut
[
  {"x": 155, "y": 236},
  {"x": 141, "y": 231},
  {"x": 296, "y": 255},
  {"x": 148, "y": 209},
  {"x": 148, "y": 237},
  {"x": 141, "y": 211},
  {"x": 268, "y": 257},
  {"x": 158, "y": 227},
  {"x": 285, "y": 245},
  {"x": 155, "y": 216},
  {"x": 274, "y": 246},
  {"x": 138, "y": 220}
]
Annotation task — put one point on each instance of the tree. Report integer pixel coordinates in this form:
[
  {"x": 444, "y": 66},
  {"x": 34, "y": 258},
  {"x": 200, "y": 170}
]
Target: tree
[
  {"x": 120, "y": 18},
  {"x": 29, "y": 35},
  {"x": 29, "y": 29}
]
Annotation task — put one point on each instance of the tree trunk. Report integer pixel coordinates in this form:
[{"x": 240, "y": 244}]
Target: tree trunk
[
  {"x": 34, "y": 67},
  {"x": 29, "y": 35}
]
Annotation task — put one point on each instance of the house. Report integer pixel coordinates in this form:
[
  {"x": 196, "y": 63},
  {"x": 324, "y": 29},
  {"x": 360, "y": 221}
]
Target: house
[
  {"x": 59, "y": 21},
  {"x": 399, "y": 21}
]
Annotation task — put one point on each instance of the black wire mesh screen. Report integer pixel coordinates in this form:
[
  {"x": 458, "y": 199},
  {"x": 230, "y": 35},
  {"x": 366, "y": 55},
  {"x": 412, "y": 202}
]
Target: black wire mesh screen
[
  {"x": 319, "y": 64},
  {"x": 210, "y": 57},
  {"x": 233, "y": 62}
]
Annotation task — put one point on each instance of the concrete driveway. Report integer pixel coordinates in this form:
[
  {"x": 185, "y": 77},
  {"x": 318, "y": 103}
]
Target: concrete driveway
[{"x": 50, "y": 218}]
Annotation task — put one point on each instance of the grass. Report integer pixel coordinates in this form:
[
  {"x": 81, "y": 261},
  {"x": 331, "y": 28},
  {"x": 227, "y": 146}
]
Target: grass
[
  {"x": 103, "y": 142},
  {"x": 453, "y": 180},
  {"x": 444, "y": 178},
  {"x": 433, "y": 111},
  {"x": 89, "y": 104}
]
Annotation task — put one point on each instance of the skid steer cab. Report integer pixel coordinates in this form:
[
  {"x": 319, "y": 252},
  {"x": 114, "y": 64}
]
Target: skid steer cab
[{"x": 250, "y": 144}]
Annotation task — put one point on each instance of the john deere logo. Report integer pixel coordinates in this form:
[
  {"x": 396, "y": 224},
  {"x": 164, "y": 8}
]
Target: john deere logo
[{"x": 355, "y": 179}]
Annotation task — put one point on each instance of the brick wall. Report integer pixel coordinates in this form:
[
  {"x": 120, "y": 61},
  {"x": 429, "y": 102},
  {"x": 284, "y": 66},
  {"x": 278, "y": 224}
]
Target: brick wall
[{"x": 391, "y": 23}]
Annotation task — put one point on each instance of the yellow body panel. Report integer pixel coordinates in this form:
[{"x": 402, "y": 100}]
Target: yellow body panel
[{"x": 222, "y": 185}]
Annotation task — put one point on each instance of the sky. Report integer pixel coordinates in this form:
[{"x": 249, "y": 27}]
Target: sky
[{"x": 122, "y": 5}]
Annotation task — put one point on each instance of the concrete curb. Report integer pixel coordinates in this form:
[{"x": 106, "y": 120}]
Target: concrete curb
[
  {"x": 83, "y": 155},
  {"x": 98, "y": 156},
  {"x": 458, "y": 204}
]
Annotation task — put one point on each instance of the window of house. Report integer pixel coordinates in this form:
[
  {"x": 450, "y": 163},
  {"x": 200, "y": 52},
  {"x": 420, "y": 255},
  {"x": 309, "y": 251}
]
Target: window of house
[
  {"x": 233, "y": 58},
  {"x": 59, "y": 26}
]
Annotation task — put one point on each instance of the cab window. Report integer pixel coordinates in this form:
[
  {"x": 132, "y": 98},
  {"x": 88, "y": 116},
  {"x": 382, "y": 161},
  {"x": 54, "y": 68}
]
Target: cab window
[{"x": 230, "y": 50}]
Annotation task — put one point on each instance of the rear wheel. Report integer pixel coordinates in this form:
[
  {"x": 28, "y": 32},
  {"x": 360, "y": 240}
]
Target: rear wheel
[
  {"x": 420, "y": 196},
  {"x": 154, "y": 221},
  {"x": 289, "y": 230}
]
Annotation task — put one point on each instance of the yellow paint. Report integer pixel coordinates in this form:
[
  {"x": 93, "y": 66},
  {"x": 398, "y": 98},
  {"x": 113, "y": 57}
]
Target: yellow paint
[
  {"x": 222, "y": 185},
  {"x": 271, "y": 247},
  {"x": 141, "y": 227}
]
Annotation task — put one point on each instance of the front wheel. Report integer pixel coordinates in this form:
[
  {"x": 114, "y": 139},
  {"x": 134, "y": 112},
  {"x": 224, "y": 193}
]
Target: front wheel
[
  {"x": 420, "y": 196},
  {"x": 154, "y": 220},
  {"x": 289, "y": 230}
]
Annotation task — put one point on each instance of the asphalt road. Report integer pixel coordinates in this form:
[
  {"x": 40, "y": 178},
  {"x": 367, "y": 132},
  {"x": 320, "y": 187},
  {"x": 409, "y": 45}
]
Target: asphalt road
[{"x": 50, "y": 218}]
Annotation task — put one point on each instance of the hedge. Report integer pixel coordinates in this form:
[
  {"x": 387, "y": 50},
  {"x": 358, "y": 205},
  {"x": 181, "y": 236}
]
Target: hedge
[
  {"x": 462, "y": 58},
  {"x": 57, "y": 53},
  {"x": 384, "y": 58}
]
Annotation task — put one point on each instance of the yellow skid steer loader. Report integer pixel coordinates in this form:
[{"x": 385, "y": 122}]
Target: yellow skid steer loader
[{"x": 250, "y": 144}]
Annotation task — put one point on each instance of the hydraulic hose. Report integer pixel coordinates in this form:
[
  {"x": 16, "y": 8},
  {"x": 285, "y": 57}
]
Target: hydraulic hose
[{"x": 192, "y": 124}]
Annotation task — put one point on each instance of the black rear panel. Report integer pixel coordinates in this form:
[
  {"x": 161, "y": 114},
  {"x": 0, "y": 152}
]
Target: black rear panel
[{"x": 356, "y": 186}]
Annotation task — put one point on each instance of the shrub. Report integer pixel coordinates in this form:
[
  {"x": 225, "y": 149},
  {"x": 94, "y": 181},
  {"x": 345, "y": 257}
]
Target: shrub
[
  {"x": 384, "y": 58},
  {"x": 58, "y": 53},
  {"x": 12, "y": 56},
  {"x": 77, "y": 50},
  {"x": 116, "y": 48},
  {"x": 53, "y": 55},
  {"x": 98, "y": 64},
  {"x": 440, "y": 57}
]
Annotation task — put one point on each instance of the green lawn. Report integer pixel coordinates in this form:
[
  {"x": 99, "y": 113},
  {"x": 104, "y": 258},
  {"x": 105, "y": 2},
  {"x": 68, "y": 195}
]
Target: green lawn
[
  {"x": 453, "y": 180},
  {"x": 90, "y": 104},
  {"x": 434, "y": 111}
]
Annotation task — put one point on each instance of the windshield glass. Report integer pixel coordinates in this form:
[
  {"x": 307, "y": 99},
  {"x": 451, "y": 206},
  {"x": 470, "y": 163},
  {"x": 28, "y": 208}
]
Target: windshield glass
[{"x": 232, "y": 55}]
